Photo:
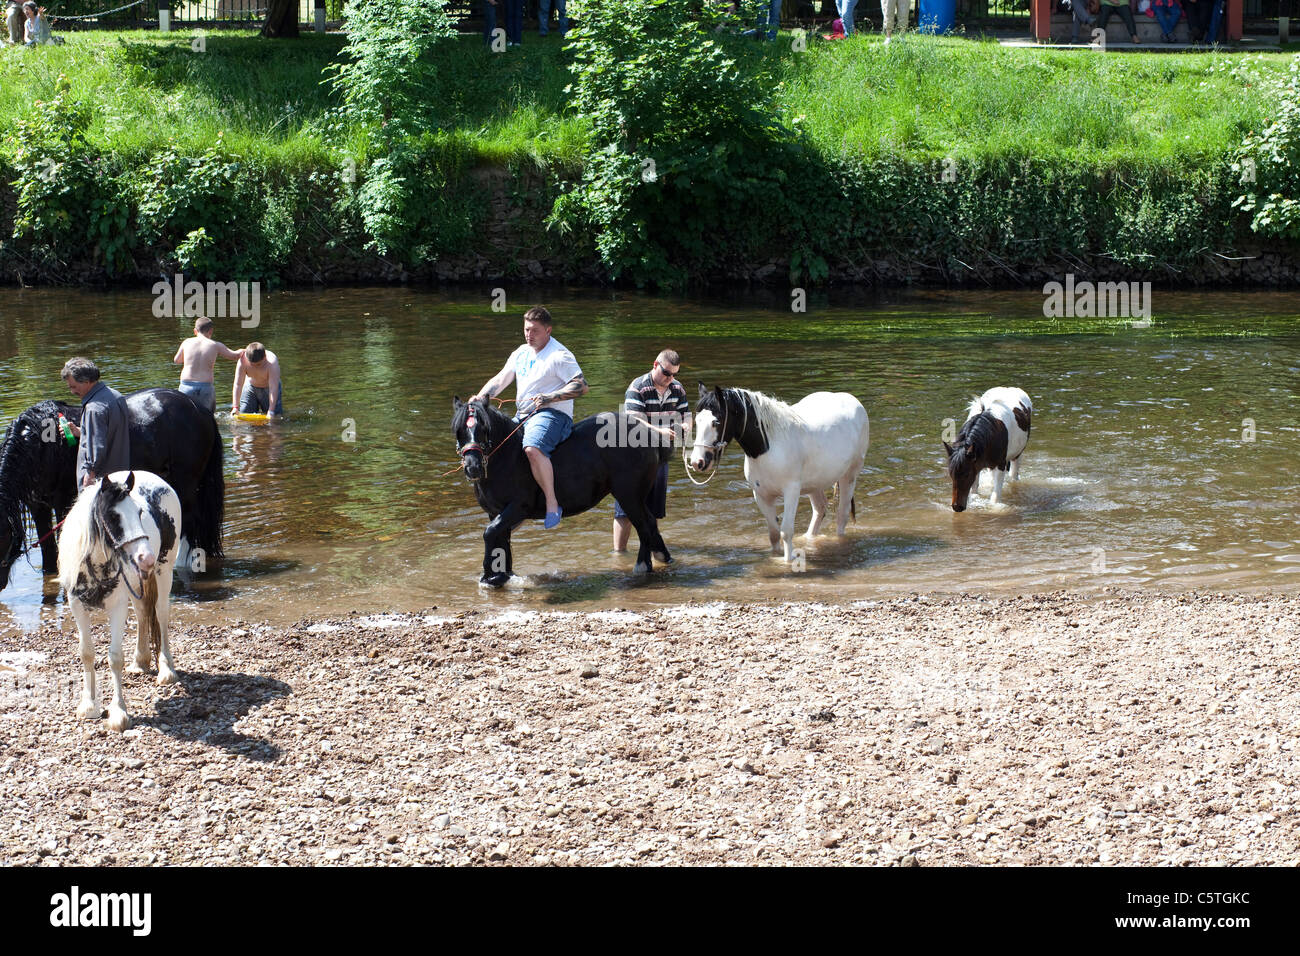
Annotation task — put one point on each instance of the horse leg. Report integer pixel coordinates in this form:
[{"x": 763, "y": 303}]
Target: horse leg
[
  {"x": 44, "y": 520},
  {"x": 117, "y": 716},
  {"x": 1015, "y": 469},
  {"x": 497, "y": 558},
  {"x": 999, "y": 476},
  {"x": 791, "y": 495},
  {"x": 819, "y": 506},
  {"x": 89, "y": 702},
  {"x": 162, "y": 614},
  {"x": 768, "y": 510},
  {"x": 844, "y": 500},
  {"x": 647, "y": 535},
  {"x": 143, "y": 658}
]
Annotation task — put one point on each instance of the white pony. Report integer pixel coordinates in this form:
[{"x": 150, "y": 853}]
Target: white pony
[
  {"x": 994, "y": 436},
  {"x": 789, "y": 449},
  {"x": 120, "y": 538}
]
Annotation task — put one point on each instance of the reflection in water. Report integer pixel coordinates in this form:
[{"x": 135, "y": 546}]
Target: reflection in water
[{"x": 1164, "y": 456}]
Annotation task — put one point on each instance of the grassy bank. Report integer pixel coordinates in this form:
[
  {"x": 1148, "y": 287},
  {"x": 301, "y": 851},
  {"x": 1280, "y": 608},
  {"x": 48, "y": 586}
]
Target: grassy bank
[{"x": 883, "y": 123}]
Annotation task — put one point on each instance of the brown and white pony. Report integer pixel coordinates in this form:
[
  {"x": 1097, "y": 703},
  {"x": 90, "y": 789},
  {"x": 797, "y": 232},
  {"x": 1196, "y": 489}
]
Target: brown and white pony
[{"x": 994, "y": 437}]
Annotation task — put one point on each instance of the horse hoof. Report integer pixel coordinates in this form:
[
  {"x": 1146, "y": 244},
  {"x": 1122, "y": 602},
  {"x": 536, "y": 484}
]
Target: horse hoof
[
  {"x": 91, "y": 709},
  {"x": 117, "y": 719},
  {"x": 166, "y": 677},
  {"x": 642, "y": 568},
  {"x": 138, "y": 667},
  {"x": 664, "y": 557},
  {"x": 497, "y": 580}
]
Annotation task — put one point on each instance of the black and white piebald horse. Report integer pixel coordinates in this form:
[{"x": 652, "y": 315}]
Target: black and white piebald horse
[
  {"x": 994, "y": 437},
  {"x": 120, "y": 539},
  {"x": 590, "y": 464},
  {"x": 789, "y": 449},
  {"x": 170, "y": 436}
]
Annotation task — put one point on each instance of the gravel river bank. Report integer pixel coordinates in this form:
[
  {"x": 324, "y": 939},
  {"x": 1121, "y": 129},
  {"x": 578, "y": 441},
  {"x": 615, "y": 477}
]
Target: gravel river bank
[{"x": 1048, "y": 729}]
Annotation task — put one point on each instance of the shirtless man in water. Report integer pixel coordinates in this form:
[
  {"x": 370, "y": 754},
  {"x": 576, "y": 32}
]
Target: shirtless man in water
[
  {"x": 198, "y": 356},
  {"x": 263, "y": 390}
]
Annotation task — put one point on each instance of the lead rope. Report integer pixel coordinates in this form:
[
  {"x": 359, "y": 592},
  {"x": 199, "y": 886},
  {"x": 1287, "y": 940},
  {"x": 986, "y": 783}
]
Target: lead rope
[{"x": 720, "y": 446}]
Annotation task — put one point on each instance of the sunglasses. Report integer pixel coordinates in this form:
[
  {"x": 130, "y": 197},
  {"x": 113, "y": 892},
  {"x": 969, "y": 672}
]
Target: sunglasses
[{"x": 667, "y": 373}]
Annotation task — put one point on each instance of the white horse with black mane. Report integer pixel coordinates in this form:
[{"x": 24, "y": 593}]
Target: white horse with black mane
[
  {"x": 789, "y": 450},
  {"x": 120, "y": 538}
]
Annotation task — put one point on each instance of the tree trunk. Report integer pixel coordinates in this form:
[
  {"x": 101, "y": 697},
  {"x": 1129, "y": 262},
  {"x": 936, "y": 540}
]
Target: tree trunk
[{"x": 281, "y": 19}]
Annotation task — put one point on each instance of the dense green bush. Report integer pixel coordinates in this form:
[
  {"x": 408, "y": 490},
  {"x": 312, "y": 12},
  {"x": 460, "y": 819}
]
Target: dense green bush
[
  {"x": 1269, "y": 163},
  {"x": 691, "y": 165}
]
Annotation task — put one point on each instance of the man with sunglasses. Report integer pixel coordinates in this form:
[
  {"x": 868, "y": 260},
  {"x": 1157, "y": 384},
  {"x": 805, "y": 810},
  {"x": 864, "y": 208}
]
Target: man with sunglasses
[{"x": 658, "y": 400}]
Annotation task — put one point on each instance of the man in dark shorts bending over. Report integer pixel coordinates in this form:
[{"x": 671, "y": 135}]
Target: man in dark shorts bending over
[
  {"x": 262, "y": 391},
  {"x": 547, "y": 379},
  {"x": 659, "y": 400}
]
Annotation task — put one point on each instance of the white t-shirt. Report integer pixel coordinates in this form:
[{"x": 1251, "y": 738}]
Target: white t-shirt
[{"x": 540, "y": 373}]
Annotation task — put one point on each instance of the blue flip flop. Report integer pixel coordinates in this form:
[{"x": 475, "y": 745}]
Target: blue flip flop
[{"x": 553, "y": 519}]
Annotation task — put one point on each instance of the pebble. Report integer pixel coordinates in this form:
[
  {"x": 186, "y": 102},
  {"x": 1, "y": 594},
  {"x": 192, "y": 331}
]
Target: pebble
[
  {"x": 590, "y": 670},
  {"x": 500, "y": 852}
]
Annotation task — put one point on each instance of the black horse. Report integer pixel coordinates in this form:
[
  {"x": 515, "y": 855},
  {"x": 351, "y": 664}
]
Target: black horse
[
  {"x": 606, "y": 454},
  {"x": 170, "y": 436}
]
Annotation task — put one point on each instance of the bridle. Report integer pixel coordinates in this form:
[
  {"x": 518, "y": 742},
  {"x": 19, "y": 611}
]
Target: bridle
[
  {"x": 462, "y": 450},
  {"x": 118, "y": 547},
  {"x": 720, "y": 445}
]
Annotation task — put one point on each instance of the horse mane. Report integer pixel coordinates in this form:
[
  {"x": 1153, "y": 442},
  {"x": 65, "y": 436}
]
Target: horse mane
[
  {"x": 775, "y": 417},
  {"x": 971, "y": 441},
  {"x": 80, "y": 538}
]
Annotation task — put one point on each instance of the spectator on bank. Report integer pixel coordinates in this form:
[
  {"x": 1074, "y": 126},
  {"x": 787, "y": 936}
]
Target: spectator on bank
[
  {"x": 769, "y": 20},
  {"x": 1198, "y": 19},
  {"x": 14, "y": 23},
  {"x": 1167, "y": 14},
  {"x": 37, "y": 29},
  {"x": 895, "y": 14},
  {"x": 845, "y": 9},
  {"x": 489, "y": 20},
  {"x": 544, "y": 16},
  {"x": 1082, "y": 12},
  {"x": 1109, "y": 7},
  {"x": 514, "y": 14}
]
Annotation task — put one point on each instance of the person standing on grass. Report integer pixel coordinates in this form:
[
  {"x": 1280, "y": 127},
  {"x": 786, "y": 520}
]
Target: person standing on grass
[
  {"x": 547, "y": 380},
  {"x": 514, "y": 16},
  {"x": 1109, "y": 7},
  {"x": 895, "y": 17},
  {"x": 14, "y": 22},
  {"x": 845, "y": 9},
  {"x": 198, "y": 358},
  {"x": 544, "y": 16},
  {"x": 658, "y": 400},
  {"x": 105, "y": 439}
]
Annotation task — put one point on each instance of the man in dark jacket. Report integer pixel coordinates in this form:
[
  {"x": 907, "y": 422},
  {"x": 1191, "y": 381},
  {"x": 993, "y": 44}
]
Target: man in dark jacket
[{"x": 105, "y": 441}]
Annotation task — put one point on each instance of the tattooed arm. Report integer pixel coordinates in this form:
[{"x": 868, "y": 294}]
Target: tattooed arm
[{"x": 576, "y": 387}]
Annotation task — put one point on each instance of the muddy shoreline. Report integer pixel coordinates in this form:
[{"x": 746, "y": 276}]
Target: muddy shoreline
[{"x": 1062, "y": 728}]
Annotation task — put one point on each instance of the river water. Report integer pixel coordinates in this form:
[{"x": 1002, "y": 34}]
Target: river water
[{"x": 1164, "y": 454}]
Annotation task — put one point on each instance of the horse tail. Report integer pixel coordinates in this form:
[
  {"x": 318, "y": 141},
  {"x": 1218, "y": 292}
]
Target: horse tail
[
  {"x": 149, "y": 599},
  {"x": 211, "y": 506}
]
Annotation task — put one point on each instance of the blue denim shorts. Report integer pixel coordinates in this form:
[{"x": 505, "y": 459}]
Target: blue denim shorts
[
  {"x": 546, "y": 429},
  {"x": 203, "y": 394},
  {"x": 258, "y": 400}
]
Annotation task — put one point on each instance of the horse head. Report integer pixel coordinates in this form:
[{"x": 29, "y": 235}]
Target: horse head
[
  {"x": 471, "y": 425},
  {"x": 118, "y": 517},
  {"x": 717, "y": 416}
]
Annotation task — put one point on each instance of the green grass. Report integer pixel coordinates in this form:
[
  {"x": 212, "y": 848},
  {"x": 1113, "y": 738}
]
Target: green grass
[
  {"x": 927, "y": 98},
  {"x": 940, "y": 97}
]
